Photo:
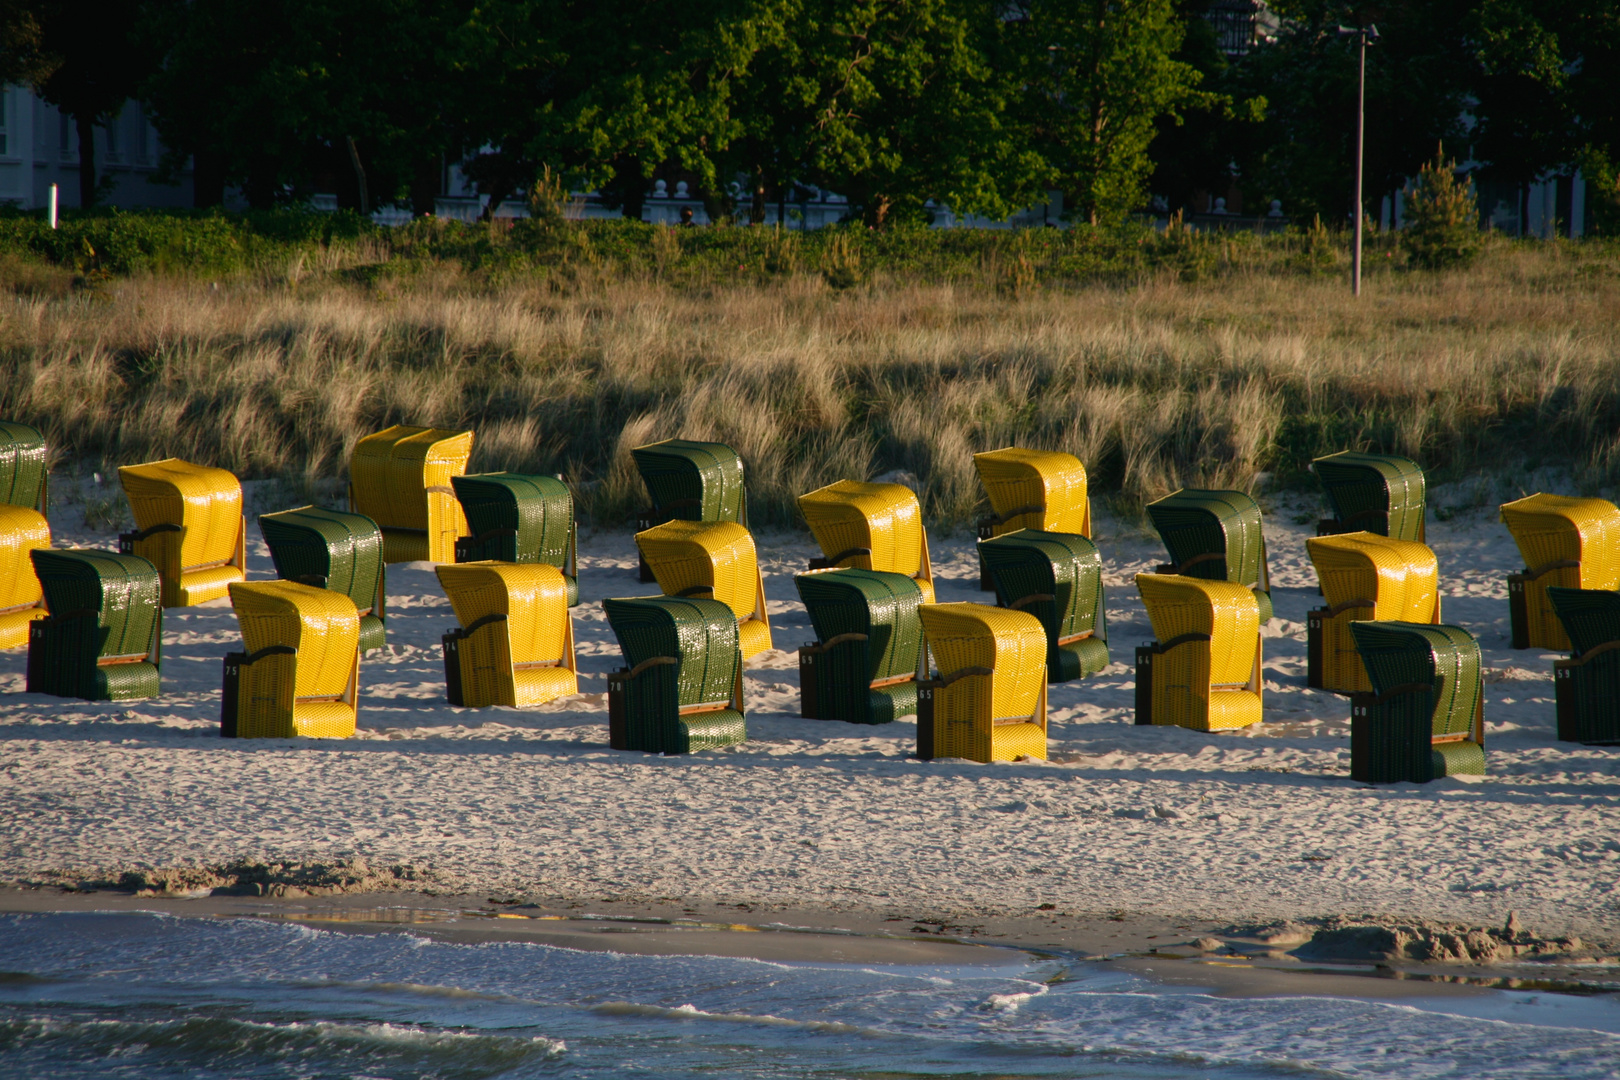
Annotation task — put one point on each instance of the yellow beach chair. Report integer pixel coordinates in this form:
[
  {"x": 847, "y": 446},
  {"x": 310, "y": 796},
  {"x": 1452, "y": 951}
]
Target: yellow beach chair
[
  {"x": 1568, "y": 542},
  {"x": 987, "y": 702},
  {"x": 715, "y": 560},
  {"x": 1364, "y": 576},
  {"x": 300, "y": 675},
  {"x": 21, "y": 599},
  {"x": 1031, "y": 489},
  {"x": 870, "y": 527},
  {"x": 515, "y": 646},
  {"x": 1203, "y": 672},
  {"x": 400, "y": 478},
  {"x": 189, "y": 525}
]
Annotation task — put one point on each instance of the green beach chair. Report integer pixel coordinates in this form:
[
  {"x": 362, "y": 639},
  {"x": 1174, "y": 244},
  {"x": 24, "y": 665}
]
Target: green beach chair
[
  {"x": 23, "y": 474},
  {"x": 1588, "y": 683},
  {"x": 863, "y": 668},
  {"x": 103, "y": 640},
  {"x": 337, "y": 550},
  {"x": 1425, "y": 717},
  {"x": 682, "y": 690},
  {"x": 1216, "y": 535},
  {"x": 519, "y": 519},
  {"x": 1056, "y": 577},
  {"x": 689, "y": 481},
  {"x": 1378, "y": 493}
]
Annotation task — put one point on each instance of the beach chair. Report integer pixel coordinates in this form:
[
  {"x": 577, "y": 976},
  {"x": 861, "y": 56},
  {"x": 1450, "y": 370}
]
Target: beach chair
[
  {"x": 400, "y": 478},
  {"x": 1203, "y": 672},
  {"x": 299, "y": 675},
  {"x": 1588, "y": 683},
  {"x": 1376, "y": 493},
  {"x": 1425, "y": 715},
  {"x": 1215, "y": 535},
  {"x": 986, "y": 700},
  {"x": 1364, "y": 576},
  {"x": 862, "y": 668},
  {"x": 713, "y": 559},
  {"x": 1566, "y": 542},
  {"x": 189, "y": 524},
  {"x": 24, "y": 477},
  {"x": 332, "y": 549},
  {"x": 682, "y": 688},
  {"x": 1056, "y": 577},
  {"x": 870, "y": 527},
  {"x": 689, "y": 481},
  {"x": 22, "y": 530},
  {"x": 515, "y": 645},
  {"x": 103, "y": 638},
  {"x": 519, "y": 519},
  {"x": 1031, "y": 489}
]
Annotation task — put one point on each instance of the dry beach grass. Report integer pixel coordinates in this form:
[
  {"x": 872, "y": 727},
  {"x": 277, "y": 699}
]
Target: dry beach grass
[{"x": 1512, "y": 365}]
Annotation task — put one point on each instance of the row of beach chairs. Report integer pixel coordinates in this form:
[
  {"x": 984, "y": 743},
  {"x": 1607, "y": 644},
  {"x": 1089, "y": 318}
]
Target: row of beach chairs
[{"x": 975, "y": 675}]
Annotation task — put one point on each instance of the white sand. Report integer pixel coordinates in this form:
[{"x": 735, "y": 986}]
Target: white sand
[{"x": 1262, "y": 823}]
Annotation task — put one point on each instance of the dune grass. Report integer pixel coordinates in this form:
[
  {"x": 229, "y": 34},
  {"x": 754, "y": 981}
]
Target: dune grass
[{"x": 1155, "y": 383}]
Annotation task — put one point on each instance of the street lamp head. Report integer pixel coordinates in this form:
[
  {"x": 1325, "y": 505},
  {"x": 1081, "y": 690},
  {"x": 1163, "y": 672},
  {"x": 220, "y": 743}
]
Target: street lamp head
[{"x": 1368, "y": 34}]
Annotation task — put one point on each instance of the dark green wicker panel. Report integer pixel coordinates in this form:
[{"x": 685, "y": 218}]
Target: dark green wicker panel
[
  {"x": 693, "y": 481},
  {"x": 1196, "y": 522},
  {"x": 333, "y": 549},
  {"x": 882, "y": 606},
  {"x": 709, "y": 731},
  {"x": 516, "y": 518},
  {"x": 22, "y": 465},
  {"x": 102, "y": 604},
  {"x": 1393, "y": 742},
  {"x": 1591, "y": 617},
  {"x": 1068, "y": 568},
  {"x": 1588, "y": 685},
  {"x": 701, "y": 633},
  {"x": 1380, "y": 493}
]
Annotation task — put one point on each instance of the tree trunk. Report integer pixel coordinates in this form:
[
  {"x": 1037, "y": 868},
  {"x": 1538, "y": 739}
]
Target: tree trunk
[
  {"x": 207, "y": 178},
  {"x": 359, "y": 177},
  {"x": 425, "y": 182},
  {"x": 87, "y": 160}
]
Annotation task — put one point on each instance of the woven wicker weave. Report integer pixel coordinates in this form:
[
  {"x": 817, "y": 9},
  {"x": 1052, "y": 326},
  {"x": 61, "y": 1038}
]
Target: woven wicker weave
[
  {"x": 22, "y": 530},
  {"x": 1426, "y": 686},
  {"x": 334, "y": 550},
  {"x": 1588, "y": 683},
  {"x": 103, "y": 639},
  {"x": 714, "y": 559},
  {"x": 863, "y": 667},
  {"x": 1365, "y": 576},
  {"x": 1056, "y": 577},
  {"x": 693, "y": 481},
  {"x": 1204, "y": 671},
  {"x": 23, "y": 462},
  {"x": 870, "y": 527},
  {"x": 522, "y": 519},
  {"x": 189, "y": 525},
  {"x": 682, "y": 688},
  {"x": 1034, "y": 489},
  {"x": 300, "y": 674},
  {"x": 516, "y": 645},
  {"x": 400, "y": 478},
  {"x": 1215, "y": 535},
  {"x": 1377, "y": 493},
  {"x": 1569, "y": 542},
  {"x": 988, "y": 701}
]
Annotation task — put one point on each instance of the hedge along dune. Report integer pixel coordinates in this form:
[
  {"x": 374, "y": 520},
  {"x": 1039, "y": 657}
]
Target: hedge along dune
[{"x": 1154, "y": 385}]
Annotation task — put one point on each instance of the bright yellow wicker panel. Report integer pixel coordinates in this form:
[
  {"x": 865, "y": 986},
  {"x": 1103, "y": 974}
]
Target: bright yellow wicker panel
[
  {"x": 401, "y": 480},
  {"x": 1400, "y": 577},
  {"x": 1195, "y": 685},
  {"x": 1012, "y": 644},
  {"x": 525, "y": 658},
  {"x": 717, "y": 555},
  {"x": 199, "y": 562},
  {"x": 324, "y": 628},
  {"x": 1056, "y": 482},
  {"x": 1011, "y": 741},
  {"x": 1553, "y": 529},
  {"x": 21, "y": 602},
  {"x": 883, "y": 517}
]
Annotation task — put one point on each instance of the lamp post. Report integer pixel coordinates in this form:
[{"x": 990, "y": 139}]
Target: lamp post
[{"x": 1365, "y": 35}]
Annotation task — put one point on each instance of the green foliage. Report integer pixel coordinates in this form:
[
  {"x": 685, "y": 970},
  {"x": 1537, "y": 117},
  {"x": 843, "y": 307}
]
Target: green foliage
[{"x": 1442, "y": 214}]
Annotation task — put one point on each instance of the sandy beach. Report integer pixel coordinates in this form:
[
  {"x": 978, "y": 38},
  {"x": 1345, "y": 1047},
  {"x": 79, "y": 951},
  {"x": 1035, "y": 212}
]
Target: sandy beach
[{"x": 1125, "y": 826}]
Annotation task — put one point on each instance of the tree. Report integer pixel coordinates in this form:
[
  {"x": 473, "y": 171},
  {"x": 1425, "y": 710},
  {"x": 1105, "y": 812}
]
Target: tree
[
  {"x": 1100, "y": 74},
  {"x": 1442, "y": 217},
  {"x": 79, "y": 55}
]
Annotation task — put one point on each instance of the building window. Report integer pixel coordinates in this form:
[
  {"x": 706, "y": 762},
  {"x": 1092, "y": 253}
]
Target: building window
[
  {"x": 5, "y": 128},
  {"x": 115, "y": 151},
  {"x": 1234, "y": 22},
  {"x": 142, "y": 148},
  {"x": 65, "y": 134}
]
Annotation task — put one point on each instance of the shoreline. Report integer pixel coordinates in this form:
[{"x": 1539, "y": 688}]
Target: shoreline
[{"x": 1189, "y": 954}]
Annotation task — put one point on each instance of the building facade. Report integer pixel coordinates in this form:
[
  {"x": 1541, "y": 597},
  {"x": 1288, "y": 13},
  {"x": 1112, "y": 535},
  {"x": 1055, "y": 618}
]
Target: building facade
[{"x": 39, "y": 146}]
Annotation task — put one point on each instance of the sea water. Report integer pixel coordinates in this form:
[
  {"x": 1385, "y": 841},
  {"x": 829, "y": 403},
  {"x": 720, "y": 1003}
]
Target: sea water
[{"x": 148, "y": 995}]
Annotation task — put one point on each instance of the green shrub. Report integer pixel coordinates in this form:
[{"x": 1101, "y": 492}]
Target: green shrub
[{"x": 1442, "y": 215}]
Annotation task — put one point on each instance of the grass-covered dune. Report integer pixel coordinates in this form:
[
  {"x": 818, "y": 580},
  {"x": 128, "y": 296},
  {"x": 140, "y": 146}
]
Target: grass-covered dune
[{"x": 269, "y": 345}]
